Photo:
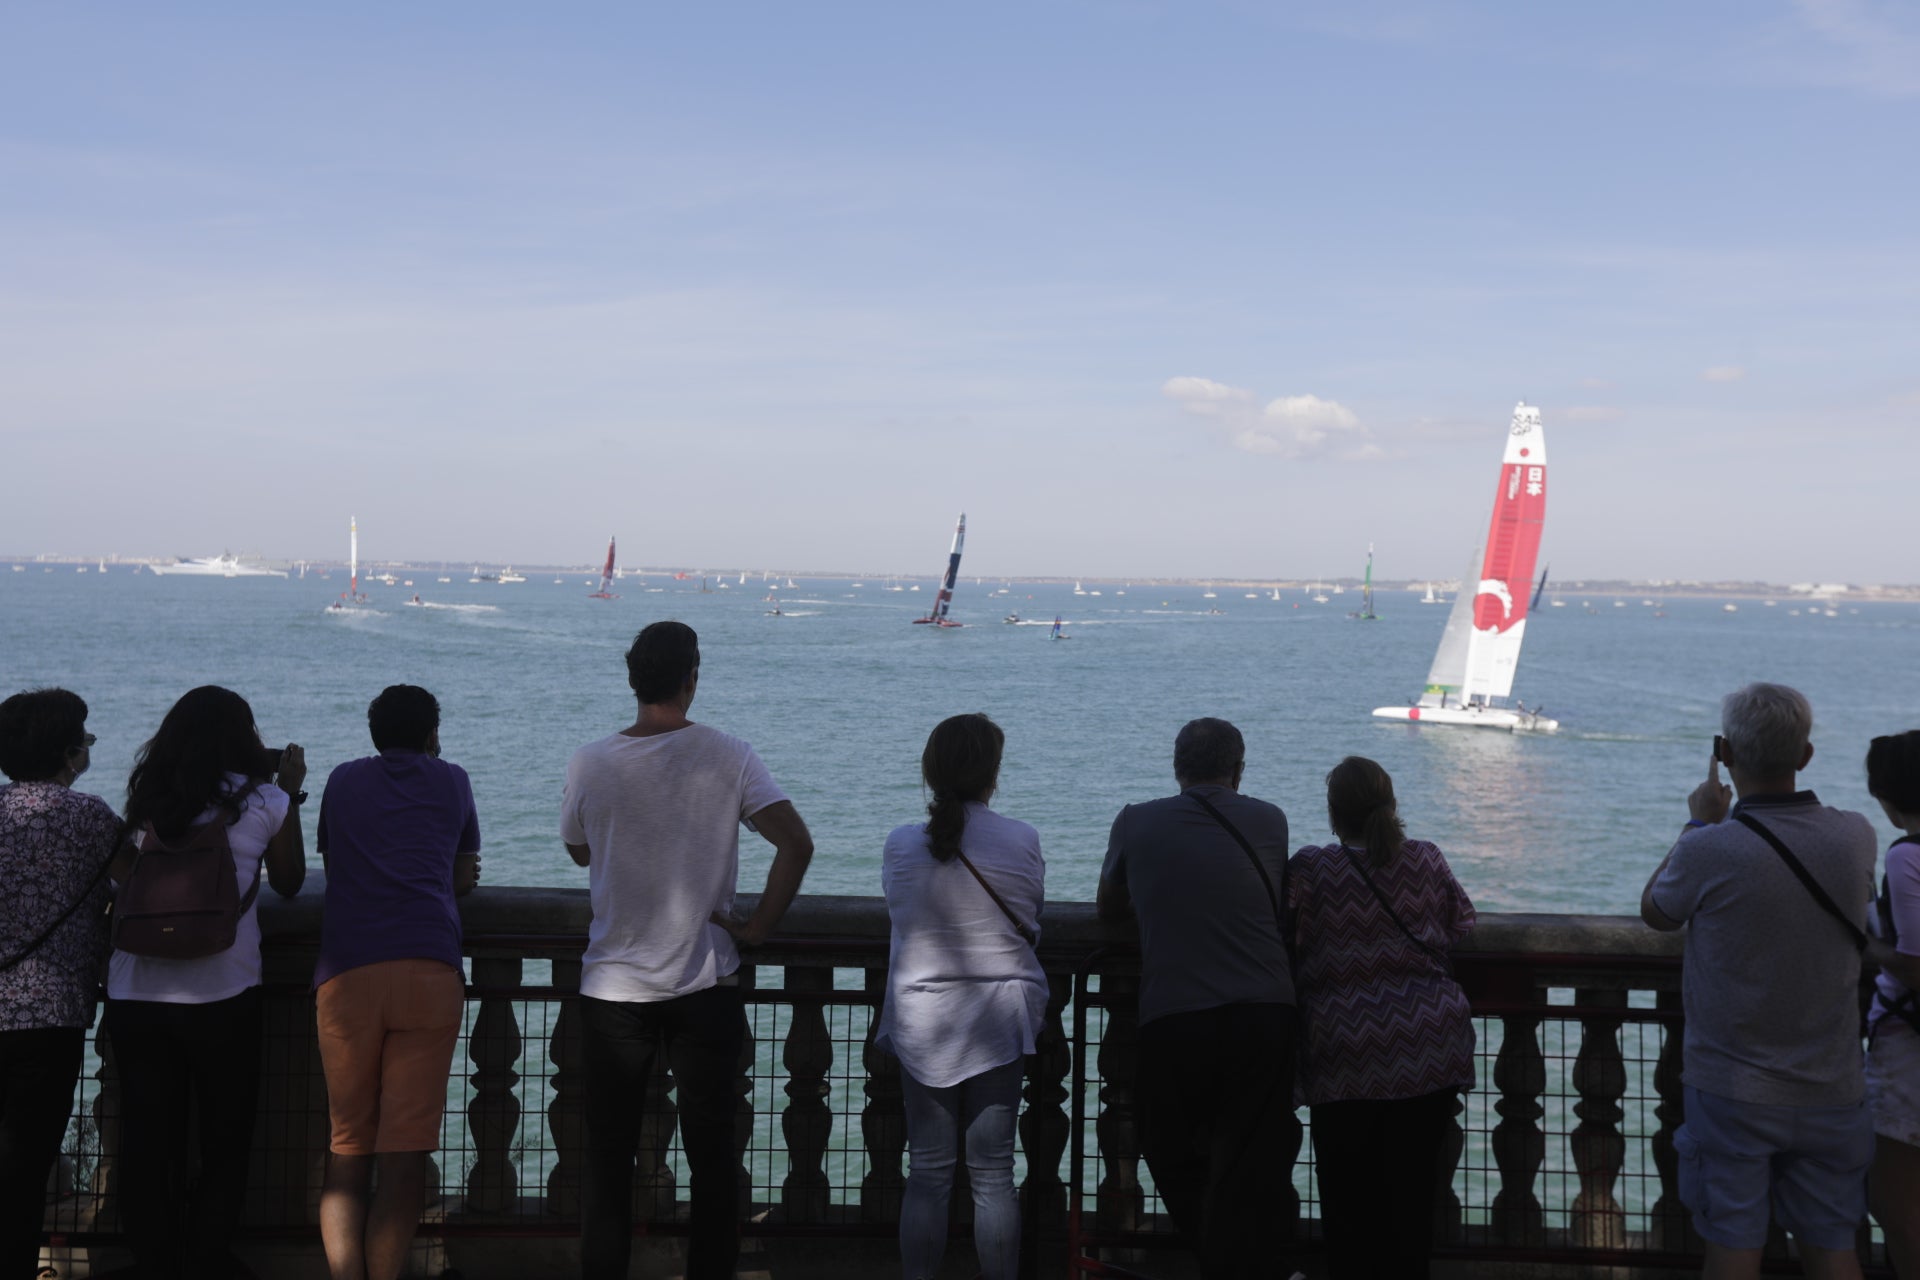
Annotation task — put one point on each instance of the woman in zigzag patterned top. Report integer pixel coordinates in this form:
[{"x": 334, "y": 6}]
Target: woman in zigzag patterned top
[{"x": 1388, "y": 1041}]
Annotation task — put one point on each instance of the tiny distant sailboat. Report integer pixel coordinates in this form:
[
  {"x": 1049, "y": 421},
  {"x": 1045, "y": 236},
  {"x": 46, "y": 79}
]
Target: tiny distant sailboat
[
  {"x": 1365, "y": 612},
  {"x": 606, "y": 577},
  {"x": 352, "y": 595},
  {"x": 1431, "y": 598},
  {"x": 1479, "y": 650},
  {"x": 938, "y": 616},
  {"x": 1540, "y": 589},
  {"x": 1057, "y": 633}
]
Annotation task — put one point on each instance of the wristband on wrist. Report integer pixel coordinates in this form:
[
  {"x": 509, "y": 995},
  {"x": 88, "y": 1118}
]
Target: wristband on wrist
[{"x": 1691, "y": 822}]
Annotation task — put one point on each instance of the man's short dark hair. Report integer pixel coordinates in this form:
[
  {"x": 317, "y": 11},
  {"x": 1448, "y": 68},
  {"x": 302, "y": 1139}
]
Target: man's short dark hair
[
  {"x": 1206, "y": 749},
  {"x": 37, "y": 730},
  {"x": 663, "y": 658},
  {"x": 404, "y": 716}
]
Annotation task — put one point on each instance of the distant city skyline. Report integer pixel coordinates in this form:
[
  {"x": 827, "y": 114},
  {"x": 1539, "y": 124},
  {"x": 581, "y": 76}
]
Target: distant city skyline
[{"x": 1223, "y": 289}]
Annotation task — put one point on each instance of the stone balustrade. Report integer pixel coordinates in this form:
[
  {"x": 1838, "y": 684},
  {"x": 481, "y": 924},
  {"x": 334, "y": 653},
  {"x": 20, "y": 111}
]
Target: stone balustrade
[{"x": 1562, "y": 1156}]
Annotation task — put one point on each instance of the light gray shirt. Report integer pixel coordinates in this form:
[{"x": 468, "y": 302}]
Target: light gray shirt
[
  {"x": 965, "y": 993},
  {"x": 1769, "y": 978},
  {"x": 1209, "y": 935}
]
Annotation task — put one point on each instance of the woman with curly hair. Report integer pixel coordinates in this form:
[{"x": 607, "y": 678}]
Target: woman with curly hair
[{"x": 189, "y": 1031}]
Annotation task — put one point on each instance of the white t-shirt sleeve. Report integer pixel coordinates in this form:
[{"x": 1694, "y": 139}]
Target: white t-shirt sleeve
[{"x": 757, "y": 787}]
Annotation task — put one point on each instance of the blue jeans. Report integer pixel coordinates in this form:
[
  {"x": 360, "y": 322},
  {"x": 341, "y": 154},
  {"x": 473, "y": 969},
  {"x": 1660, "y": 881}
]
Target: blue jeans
[{"x": 983, "y": 1108}]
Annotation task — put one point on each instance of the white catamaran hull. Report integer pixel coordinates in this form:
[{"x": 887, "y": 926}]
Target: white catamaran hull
[{"x": 1475, "y": 717}]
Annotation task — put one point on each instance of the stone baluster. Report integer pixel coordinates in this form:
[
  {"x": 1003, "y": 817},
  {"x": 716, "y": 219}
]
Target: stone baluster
[
  {"x": 1598, "y": 1148},
  {"x": 105, "y": 1213},
  {"x": 807, "y": 1122},
  {"x": 1449, "y": 1222},
  {"x": 1120, "y": 1201},
  {"x": 883, "y": 1121},
  {"x": 1520, "y": 1074},
  {"x": 743, "y": 1110},
  {"x": 1045, "y": 1129},
  {"x": 655, "y": 1189},
  {"x": 493, "y": 1111},
  {"x": 567, "y": 1110},
  {"x": 1672, "y": 1224}
]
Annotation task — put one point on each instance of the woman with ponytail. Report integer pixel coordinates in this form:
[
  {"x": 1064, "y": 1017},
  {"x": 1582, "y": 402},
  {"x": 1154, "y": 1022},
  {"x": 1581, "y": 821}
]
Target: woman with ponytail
[
  {"x": 1388, "y": 1039},
  {"x": 965, "y": 993}
]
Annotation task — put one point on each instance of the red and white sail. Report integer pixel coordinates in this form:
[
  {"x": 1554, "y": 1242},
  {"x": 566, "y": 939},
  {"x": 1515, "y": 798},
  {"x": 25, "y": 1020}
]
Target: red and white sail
[
  {"x": 606, "y": 576},
  {"x": 1513, "y": 546}
]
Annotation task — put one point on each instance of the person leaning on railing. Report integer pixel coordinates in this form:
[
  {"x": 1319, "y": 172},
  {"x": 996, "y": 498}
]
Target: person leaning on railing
[
  {"x": 966, "y": 995},
  {"x": 55, "y": 844},
  {"x": 1893, "y": 1021},
  {"x": 654, "y": 813},
  {"x": 400, "y": 839},
  {"x": 1388, "y": 1035},
  {"x": 186, "y": 1033}
]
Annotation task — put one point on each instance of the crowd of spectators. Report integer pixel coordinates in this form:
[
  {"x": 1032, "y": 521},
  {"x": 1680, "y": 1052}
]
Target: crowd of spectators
[{"x": 1269, "y": 980}]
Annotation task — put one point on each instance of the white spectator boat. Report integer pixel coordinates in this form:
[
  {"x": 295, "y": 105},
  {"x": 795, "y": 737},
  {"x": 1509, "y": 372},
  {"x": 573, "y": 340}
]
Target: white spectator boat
[
  {"x": 221, "y": 566},
  {"x": 1472, "y": 672}
]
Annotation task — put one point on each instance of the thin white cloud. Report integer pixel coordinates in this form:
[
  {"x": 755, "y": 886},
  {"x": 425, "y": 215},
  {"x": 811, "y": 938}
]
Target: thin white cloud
[
  {"x": 1871, "y": 45},
  {"x": 1723, "y": 373},
  {"x": 1286, "y": 427}
]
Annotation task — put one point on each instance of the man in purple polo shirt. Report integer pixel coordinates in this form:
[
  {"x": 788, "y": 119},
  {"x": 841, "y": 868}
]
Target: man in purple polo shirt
[{"x": 400, "y": 840}]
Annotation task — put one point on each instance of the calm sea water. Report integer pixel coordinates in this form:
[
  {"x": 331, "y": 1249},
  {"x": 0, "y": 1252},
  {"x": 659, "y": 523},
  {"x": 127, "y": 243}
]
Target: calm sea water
[{"x": 839, "y": 693}]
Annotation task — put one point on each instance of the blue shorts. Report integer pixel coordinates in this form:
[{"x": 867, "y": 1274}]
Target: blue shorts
[{"x": 1807, "y": 1166}]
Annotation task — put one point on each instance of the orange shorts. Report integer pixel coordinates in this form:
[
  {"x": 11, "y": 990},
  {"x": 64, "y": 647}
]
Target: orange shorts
[{"x": 387, "y": 1033}]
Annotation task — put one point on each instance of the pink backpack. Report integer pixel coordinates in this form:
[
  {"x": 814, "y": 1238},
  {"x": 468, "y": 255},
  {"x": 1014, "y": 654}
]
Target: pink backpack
[{"x": 181, "y": 901}]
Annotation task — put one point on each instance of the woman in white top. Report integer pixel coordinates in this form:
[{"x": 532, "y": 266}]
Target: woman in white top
[
  {"x": 965, "y": 993},
  {"x": 189, "y": 1031}
]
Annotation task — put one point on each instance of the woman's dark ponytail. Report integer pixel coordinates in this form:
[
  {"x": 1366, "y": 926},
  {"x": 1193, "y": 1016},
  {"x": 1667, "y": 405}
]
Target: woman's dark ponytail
[
  {"x": 1360, "y": 804},
  {"x": 961, "y": 763}
]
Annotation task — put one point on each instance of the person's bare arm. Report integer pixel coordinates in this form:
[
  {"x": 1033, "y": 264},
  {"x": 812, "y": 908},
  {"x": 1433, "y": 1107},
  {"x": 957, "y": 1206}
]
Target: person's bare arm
[
  {"x": 1708, "y": 804},
  {"x": 781, "y": 826},
  {"x": 1649, "y": 910},
  {"x": 286, "y": 854},
  {"x": 466, "y": 873},
  {"x": 580, "y": 854}
]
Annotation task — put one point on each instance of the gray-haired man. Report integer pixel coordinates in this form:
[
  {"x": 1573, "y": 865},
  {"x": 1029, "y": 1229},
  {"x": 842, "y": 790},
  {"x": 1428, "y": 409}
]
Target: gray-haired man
[{"x": 1775, "y": 1116}]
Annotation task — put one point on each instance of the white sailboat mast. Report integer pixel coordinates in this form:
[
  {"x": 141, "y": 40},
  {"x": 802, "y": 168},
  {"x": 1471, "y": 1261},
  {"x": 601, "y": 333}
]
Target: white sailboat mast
[{"x": 353, "y": 555}]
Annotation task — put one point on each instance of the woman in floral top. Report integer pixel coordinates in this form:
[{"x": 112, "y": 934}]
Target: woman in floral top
[
  {"x": 55, "y": 844},
  {"x": 1389, "y": 1040}
]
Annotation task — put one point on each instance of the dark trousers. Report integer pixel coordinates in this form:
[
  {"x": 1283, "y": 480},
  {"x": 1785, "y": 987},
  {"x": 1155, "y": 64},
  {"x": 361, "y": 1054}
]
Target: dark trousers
[
  {"x": 38, "y": 1069},
  {"x": 1379, "y": 1170},
  {"x": 701, "y": 1035},
  {"x": 1215, "y": 1097},
  {"x": 171, "y": 1057}
]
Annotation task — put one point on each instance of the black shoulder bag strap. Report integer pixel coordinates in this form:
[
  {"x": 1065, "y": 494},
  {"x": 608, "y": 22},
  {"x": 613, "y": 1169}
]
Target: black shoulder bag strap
[
  {"x": 54, "y": 928},
  {"x": 1027, "y": 935},
  {"x": 1806, "y": 878},
  {"x": 1442, "y": 958},
  {"x": 1279, "y": 918}
]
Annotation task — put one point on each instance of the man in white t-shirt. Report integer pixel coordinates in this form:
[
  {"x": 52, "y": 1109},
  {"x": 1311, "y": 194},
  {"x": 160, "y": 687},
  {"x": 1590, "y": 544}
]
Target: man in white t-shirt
[{"x": 654, "y": 814}]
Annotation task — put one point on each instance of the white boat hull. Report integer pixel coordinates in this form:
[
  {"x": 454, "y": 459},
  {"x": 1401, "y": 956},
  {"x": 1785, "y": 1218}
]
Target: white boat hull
[{"x": 1473, "y": 717}]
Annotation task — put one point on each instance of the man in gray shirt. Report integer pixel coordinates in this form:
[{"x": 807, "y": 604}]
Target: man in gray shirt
[
  {"x": 1202, "y": 874},
  {"x": 1771, "y": 1062}
]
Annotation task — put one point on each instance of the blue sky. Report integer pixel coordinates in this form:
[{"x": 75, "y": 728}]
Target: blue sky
[{"x": 1195, "y": 288}]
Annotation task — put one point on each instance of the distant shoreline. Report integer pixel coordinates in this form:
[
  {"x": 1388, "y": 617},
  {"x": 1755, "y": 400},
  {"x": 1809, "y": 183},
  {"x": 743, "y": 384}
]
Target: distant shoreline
[{"x": 1595, "y": 587}]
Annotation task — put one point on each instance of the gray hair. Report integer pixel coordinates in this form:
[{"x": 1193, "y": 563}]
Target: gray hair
[{"x": 1767, "y": 725}]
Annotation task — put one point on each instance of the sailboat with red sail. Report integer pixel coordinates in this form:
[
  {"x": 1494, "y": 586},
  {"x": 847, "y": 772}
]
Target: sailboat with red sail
[
  {"x": 937, "y": 617},
  {"x": 1472, "y": 672},
  {"x": 606, "y": 591}
]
